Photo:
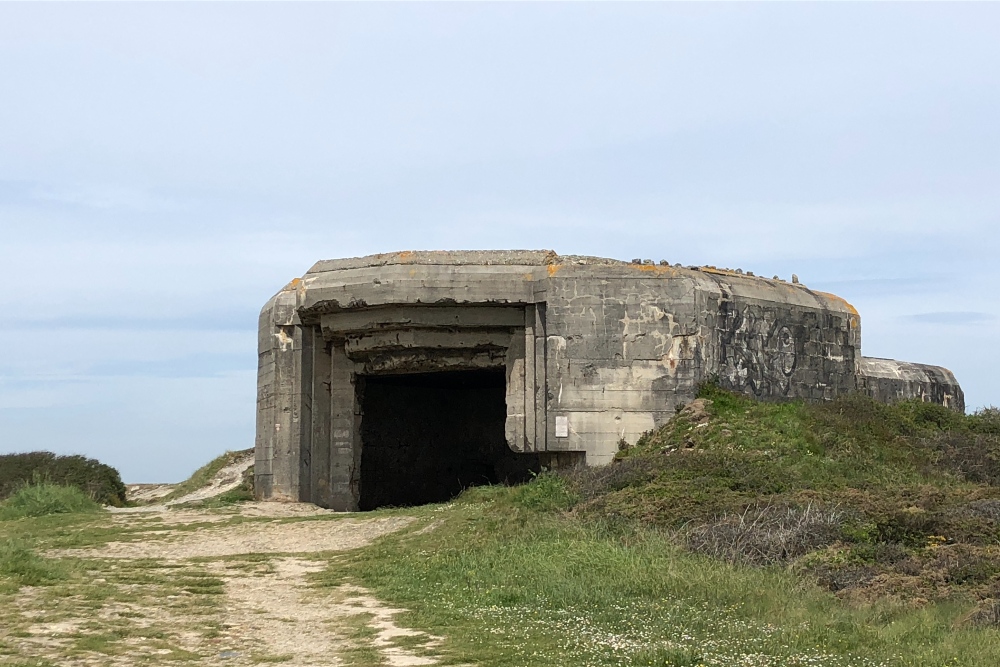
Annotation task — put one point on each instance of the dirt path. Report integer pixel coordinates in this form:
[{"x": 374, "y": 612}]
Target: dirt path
[
  {"x": 249, "y": 538},
  {"x": 268, "y": 612},
  {"x": 276, "y": 616}
]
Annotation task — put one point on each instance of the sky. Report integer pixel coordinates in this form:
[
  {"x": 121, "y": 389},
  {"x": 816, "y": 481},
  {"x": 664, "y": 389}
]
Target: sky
[{"x": 165, "y": 168}]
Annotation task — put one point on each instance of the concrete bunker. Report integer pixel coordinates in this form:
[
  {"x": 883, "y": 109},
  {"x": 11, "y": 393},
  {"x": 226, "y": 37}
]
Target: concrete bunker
[{"x": 403, "y": 378}]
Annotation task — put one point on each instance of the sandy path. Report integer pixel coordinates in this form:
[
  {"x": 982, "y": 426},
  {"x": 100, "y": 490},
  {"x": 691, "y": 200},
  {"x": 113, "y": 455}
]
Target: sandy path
[
  {"x": 250, "y": 538},
  {"x": 269, "y": 612},
  {"x": 276, "y": 615}
]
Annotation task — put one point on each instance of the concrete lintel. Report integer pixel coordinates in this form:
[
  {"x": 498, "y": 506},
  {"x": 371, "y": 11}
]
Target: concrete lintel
[
  {"x": 376, "y": 319},
  {"x": 421, "y": 361},
  {"x": 426, "y": 339}
]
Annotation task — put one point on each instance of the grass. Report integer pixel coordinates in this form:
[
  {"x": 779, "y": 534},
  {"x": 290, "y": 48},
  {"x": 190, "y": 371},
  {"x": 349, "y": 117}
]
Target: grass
[
  {"x": 848, "y": 533},
  {"x": 41, "y": 499},
  {"x": 509, "y": 585},
  {"x": 21, "y": 566},
  {"x": 360, "y": 650}
]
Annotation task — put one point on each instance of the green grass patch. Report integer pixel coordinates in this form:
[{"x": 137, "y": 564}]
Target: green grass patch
[
  {"x": 41, "y": 499},
  {"x": 21, "y": 566},
  {"x": 360, "y": 649}
]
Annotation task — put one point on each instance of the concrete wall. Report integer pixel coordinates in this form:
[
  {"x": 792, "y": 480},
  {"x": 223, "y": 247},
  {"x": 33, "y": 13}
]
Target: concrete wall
[
  {"x": 594, "y": 351},
  {"x": 890, "y": 381}
]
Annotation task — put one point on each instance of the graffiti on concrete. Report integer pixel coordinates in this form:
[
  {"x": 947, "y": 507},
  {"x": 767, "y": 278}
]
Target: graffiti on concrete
[{"x": 758, "y": 352}]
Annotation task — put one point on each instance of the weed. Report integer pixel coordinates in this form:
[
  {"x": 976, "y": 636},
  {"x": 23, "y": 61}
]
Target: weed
[{"x": 765, "y": 535}]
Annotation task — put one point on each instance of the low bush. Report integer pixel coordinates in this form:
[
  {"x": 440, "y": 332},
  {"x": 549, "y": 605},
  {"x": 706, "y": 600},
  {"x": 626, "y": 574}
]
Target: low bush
[
  {"x": 765, "y": 535},
  {"x": 97, "y": 480},
  {"x": 33, "y": 500},
  {"x": 620, "y": 474},
  {"x": 986, "y": 421}
]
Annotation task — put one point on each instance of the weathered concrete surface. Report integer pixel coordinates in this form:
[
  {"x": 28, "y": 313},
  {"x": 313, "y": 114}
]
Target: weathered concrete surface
[
  {"x": 593, "y": 351},
  {"x": 889, "y": 380}
]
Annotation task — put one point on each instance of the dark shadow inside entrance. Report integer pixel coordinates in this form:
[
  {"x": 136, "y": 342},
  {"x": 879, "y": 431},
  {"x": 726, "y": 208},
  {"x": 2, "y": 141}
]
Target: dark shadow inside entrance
[{"x": 427, "y": 436}]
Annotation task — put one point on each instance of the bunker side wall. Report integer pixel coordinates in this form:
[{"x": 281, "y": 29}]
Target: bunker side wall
[
  {"x": 891, "y": 381},
  {"x": 626, "y": 345},
  {"x": 623, "y": 348},
  {"x": 280, "y": 399},
  {"x": 779, "y": 341}
]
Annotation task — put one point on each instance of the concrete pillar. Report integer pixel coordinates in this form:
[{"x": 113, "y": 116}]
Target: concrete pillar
[
  {"x": 345, "y": 438},
  {"x": 517, "y": 390},
  {"x": 530, "y": 369},
  {"x": 315, "y": 484},
  {"x": 539, "y": 388},
  {"x": 279, "y": 399}
]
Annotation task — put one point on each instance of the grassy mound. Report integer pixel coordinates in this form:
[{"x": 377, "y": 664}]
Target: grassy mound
[
  {"x": 509, "y": 579},
  {"x": 33, "y": 500},
  {"x": 98, "y": 480},
  {"x": 703, "y": 545},
  {"x": 872, "y": 500}
]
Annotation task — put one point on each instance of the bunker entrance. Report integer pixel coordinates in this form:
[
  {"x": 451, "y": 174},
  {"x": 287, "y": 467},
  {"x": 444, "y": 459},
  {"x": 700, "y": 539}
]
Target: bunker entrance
[{"x": 427, "y": 436}]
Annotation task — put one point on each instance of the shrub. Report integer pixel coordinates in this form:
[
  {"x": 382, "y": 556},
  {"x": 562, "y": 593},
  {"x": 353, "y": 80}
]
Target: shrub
[
  {"x": 618, "y": 475},
  {"x": 974, "y": 456},
  {"x": 764, "y": 535},
  {"x": 985, "y": 615},
  {"x": 986, "y": 421},
  {"x": 97, "y": 480},
  {"x": 44, "y": 498}
]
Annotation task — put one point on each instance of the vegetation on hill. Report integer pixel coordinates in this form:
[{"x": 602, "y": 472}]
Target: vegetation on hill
[
  {"x": 871, "y": 500},
  {"x": 97, "y": 480},
  {"x": 21, "y": 566},
  {"x": 850, "y": 533}
]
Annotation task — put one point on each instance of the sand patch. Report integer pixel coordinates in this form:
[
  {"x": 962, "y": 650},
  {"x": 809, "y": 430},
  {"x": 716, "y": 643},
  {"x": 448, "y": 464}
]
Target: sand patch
[{"x": 250, "y": 537}]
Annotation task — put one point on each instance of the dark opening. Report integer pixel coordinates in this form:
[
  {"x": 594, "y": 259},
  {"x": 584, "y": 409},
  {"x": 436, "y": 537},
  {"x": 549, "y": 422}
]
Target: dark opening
[{"x": 427, "y": 436}]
